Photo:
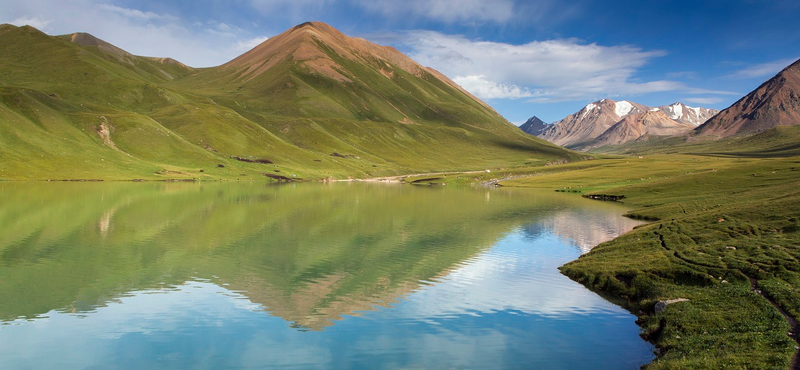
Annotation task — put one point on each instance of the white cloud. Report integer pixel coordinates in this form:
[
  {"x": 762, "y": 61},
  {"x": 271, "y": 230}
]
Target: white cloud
[
  {"x": 134, "y": 13},
  {"x": 245, "y": 45},
  {"x": 546, "y": 71},
  {"x": 485, "y": 89},
  {"x": 763, "y": 70},
  {"x": 449, "y": 11},
  {"x": 706, "y": 101},
  {"x": 30, "y": 21},
  {"x": 198, "y": 43},
  {"x": 712, "y": 92},
  {"x": 224, "y": 30}
]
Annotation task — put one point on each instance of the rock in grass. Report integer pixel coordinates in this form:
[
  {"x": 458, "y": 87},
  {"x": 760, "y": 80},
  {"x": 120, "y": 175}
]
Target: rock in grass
[{"x": 662, "y": 305}]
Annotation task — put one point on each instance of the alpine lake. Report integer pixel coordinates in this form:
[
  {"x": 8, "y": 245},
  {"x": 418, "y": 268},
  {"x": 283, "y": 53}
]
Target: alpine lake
[{"x": 305, "y": 276}]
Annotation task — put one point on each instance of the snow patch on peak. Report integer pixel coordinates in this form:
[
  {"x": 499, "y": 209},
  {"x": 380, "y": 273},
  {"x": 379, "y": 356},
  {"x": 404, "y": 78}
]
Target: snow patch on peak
[
  {"x": 623, "y": 108},
  {"x": 676, "y": 111},
  {"x": 588, "y": 109}
]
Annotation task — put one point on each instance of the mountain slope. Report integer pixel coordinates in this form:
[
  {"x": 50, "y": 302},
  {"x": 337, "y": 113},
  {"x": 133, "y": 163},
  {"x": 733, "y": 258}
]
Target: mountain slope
[
  {"x": 685, "y": 114},
  {"x": 581, "y": 128},
  {"x": 775, "y": 103},
  {"x": 533, "y": 126},
  {"x": 608, "y": 122},
  {"x": 639, "y": 127},
  {"x": 310, "y": 103},
  {"x": 324, "y": 73}
]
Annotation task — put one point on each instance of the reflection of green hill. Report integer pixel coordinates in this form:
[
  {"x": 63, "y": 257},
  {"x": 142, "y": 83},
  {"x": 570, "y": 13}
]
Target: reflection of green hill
[{"x": 309, "y": 253}]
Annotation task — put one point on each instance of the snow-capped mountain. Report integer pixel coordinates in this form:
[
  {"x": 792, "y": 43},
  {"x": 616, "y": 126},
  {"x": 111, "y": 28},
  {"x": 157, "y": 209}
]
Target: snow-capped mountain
[
  {"x": 686, "y": 114},
  {"x": 630, "y": 121},
  {"x": 590, "y": 122},
  {"x": 641, "y": 126}
]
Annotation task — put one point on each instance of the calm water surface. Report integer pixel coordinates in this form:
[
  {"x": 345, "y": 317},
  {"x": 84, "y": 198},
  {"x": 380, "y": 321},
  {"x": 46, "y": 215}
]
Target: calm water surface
[{"x": 310, "y": 276}]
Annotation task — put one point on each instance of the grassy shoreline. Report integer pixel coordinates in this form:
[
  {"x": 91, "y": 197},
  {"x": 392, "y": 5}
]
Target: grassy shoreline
[{"x": 724, "y": 233}]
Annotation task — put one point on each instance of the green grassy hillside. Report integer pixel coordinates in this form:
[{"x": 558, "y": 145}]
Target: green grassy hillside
[{"x": 95, "y": 112}]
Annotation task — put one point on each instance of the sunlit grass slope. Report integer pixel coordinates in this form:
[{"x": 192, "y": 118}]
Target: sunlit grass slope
[{"x": 95, "y": 112}]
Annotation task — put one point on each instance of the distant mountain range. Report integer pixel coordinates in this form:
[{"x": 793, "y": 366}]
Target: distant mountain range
[
  {"x": 608, "y": 122},
  {"x": 309, "y": 103}
]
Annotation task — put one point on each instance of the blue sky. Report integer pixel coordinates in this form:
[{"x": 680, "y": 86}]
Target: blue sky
[{"x": 547, "y": 58}]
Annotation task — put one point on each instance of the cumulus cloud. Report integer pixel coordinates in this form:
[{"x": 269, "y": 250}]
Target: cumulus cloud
[
  {"x": 480, "y": 86},
  {"x": 544, "y": 71},
  {"x": 762, "y": 70}
]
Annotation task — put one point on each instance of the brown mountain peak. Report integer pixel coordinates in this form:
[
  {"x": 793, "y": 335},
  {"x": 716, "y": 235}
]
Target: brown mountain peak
[
  {"x": 316, "y": 27},
  {"x": 85, "y": 39},
  {"x": 310, "y": 44},
  {"x": 300, "y": 44},
  {"x": 775, "y": 103},
  {"x": 640, "y": 126}
]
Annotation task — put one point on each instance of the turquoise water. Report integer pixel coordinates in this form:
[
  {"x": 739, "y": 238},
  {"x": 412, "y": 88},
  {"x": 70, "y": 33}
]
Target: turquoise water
[{"x": 310, "y": 276}]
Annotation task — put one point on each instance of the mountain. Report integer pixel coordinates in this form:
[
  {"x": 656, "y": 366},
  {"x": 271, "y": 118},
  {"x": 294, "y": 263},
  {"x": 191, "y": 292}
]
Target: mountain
[
  {"x": 685, "y": 114},
  {"x": 640, "y": 126},
  {"x": 608, "y": 122},
  {"x": 580, "y": 128},
  {"x": 533, "y": 126},
  {"x": 309, "y": 103},
  {"x": 775, "y": 103}
]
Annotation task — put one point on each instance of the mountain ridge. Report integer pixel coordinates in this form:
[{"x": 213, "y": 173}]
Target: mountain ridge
[
  {"x": 776, "y": 102},
  {"x": 607, "y": 122},
  {"x": 77, "y": 107}
]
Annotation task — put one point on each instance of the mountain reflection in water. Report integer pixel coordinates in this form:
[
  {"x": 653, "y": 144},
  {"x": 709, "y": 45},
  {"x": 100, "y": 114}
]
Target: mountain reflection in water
[{"x": 143, "y": 264}]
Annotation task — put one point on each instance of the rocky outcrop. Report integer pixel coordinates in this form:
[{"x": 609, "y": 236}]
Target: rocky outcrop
[{"x": 662, "y": 305}]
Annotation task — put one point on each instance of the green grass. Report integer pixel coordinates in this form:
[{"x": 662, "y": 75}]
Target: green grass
[
  {"x": 716, "y": 223},
  {"x": 170, "y": 122}
]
